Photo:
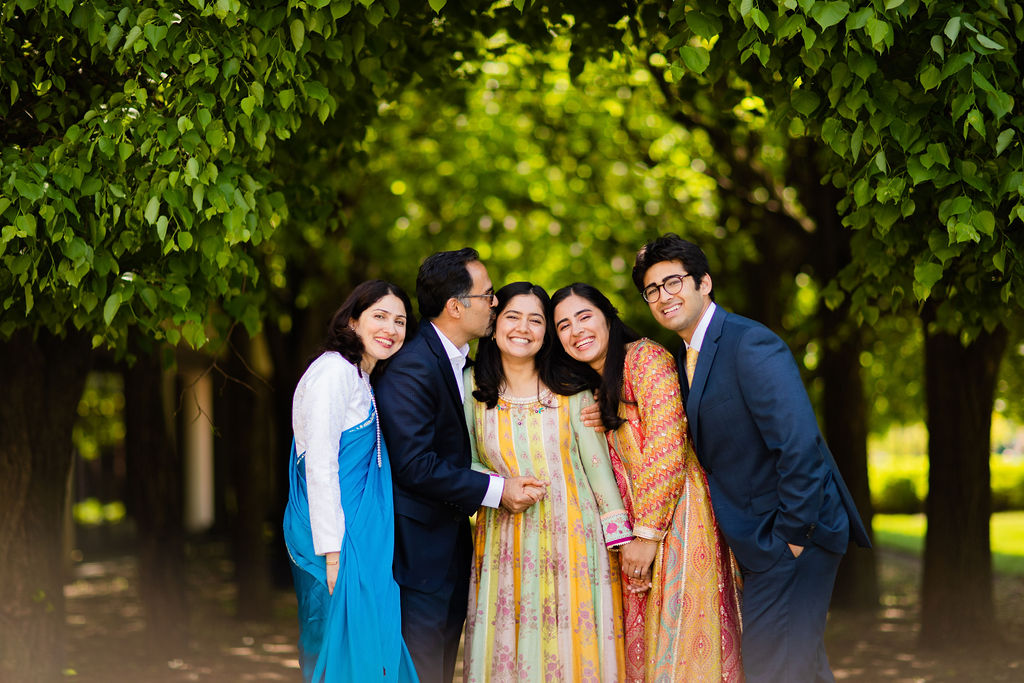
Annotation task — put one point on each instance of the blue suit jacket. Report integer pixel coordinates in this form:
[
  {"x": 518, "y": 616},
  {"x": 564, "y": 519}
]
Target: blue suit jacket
[
  {"x": 424, "y": 427},
  {"x": 773, "y": 480}
]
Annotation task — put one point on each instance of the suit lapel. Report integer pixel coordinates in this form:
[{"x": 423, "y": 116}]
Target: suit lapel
[
  {"x": 708, "y": 349},
  {"x": 444, "y": 365}
]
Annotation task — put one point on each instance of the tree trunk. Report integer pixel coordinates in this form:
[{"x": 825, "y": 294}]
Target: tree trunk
[
  {"x": 43, "y": 379},
  {"x": 289, "y": 351},
  {"x": 956, "y": 595},
  {"x": 245, "y": 440},
  {"x": 154, "y": 477},
  {"x": 844, "y": 408},
  {"x": 844, "y": 414}
]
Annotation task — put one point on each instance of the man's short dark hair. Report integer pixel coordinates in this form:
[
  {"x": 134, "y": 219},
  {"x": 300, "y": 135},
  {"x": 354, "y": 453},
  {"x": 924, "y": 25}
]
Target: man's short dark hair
[
  {"x": 443, "y": 276},
  {"x": 671, "y": 247}
]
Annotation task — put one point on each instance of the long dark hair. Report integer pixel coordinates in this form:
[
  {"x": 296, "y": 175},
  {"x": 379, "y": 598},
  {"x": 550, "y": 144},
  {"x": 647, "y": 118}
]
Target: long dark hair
[
  {"x": 489, "y": 373},
  {"x": 343, "y": 339},
  {"x": 608, "y": 384}
]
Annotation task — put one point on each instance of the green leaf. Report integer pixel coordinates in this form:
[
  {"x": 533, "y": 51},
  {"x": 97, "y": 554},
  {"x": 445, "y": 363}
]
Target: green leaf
[
  {"x": 999, "y": 103},
  {"x": 298, "y": 31},
  {"x": 928, "y": 274},
  {"x": 29, "y": 191},
  {"x": 148, "y": 296},
  {"x": 829, "y": 13},
  {"x": 703, "y": 25},
  {"x": 133, "y": 35},
  {"x": 805, "y": 101},
  {"x": 437, "y": 5},
  {"x": 114, "y": 37},
  {"x": 152, "y": 210},
  {"x": 285, "y": 98},
  {"x": 937, "y": 46},
  {"x": 985, "y": 41},
  {"x": 695, "y": 58},
  {"x": 317, "y": 90},
  {"x": 184, "y": 240},
  {"x": 880, "y": 161},
  {"x": 980, "y": 81},
  {"x": 999, "y": 261},
  {"x": 937, "y": 151},
  {"x": 985, "y": 222},
  {"x": 961, "y": 103},
  {"x": 952, "y": 29},
  {"x": 976, "y": 122},
  {"x": 111, "y": 306},
  {"x": 161, "y": 228},
  {"x": 931, "y": 77},
  {"x": 760, "y": 19},
  {"x": 1003, "y": 141},
  {"x": 248, "y": 104}
]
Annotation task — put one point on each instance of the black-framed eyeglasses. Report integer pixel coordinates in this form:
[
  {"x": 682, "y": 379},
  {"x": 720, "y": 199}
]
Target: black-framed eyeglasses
[{"x": 673, "y": 284}]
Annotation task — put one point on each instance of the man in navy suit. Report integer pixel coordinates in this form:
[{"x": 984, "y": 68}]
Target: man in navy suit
[
  {"x": 775, "y": 488},
  {"x": 420, "y": 396}
]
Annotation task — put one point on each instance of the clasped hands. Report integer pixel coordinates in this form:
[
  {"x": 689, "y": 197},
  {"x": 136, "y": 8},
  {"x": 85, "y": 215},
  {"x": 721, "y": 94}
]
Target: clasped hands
[
  {"x": 636, "y": 559},
  {"x": 520, "y": 493}
]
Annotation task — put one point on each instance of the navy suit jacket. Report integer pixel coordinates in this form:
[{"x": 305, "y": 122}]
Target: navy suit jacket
[
  {"x": 424, "y": 426},
  {"x": 773, "y": 479}
]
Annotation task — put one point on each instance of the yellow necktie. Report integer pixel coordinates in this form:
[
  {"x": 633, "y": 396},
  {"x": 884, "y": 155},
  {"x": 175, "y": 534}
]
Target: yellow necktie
[{"x": 691, "y": 364}]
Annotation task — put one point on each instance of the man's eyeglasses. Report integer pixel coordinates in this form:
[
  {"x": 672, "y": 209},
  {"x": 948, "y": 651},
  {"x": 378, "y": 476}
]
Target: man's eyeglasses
[
  {"x": 673, "y": 284},
  {"x": 489, "y": 295}
]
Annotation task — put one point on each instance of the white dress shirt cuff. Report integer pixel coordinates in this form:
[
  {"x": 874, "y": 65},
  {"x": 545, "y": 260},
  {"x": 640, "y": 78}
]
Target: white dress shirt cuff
[{"x": 495, "y": 488}]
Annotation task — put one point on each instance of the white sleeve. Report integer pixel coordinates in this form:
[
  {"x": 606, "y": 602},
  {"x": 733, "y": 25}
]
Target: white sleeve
[{"x": 320, "y": 416}]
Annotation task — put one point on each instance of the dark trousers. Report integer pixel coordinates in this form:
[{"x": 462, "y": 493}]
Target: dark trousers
[
  {"x": 432, "y": 622},
  {"x": 784, "y": 615}
]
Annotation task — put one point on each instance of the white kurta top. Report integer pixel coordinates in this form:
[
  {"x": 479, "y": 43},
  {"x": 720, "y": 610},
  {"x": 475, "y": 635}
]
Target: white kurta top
[{"x": 330, "y": 398}]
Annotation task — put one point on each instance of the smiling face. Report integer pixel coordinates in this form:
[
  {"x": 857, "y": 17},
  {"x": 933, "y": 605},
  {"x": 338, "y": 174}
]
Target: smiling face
[
  {"x": 583, "y": 330},
  {"x": 381, "y": 328},
  {"x": 520, "y": 326},
  {"x": 679, "y": 312}
]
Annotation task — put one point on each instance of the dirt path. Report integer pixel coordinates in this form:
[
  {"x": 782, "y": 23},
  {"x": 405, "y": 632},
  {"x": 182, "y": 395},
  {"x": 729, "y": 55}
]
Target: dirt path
[{"x": 106, "y": 641}]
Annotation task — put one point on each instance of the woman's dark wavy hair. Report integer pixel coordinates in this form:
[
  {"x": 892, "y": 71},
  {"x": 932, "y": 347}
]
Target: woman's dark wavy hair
[
  {"x": 488, "y": 372},
  {"x": 344, "y": 340},
  {"x": 608, "y": 384}
]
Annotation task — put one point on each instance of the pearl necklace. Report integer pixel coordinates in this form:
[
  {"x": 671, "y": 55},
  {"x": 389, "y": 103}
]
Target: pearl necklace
[{"x": 376, "y": 416}]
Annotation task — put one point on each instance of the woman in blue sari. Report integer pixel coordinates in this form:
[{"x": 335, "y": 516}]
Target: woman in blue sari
[{"x": 339, "y": 523}]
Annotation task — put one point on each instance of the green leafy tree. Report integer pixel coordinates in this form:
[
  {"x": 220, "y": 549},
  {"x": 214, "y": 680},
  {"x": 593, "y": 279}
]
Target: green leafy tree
[
  {"x": 135, "y": 182},
  {"x": 916, "y": 103}
]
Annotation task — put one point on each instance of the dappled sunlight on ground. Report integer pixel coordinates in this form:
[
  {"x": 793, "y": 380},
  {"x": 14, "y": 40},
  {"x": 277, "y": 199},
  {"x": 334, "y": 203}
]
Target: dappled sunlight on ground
[{"x": 107, "y": 639}]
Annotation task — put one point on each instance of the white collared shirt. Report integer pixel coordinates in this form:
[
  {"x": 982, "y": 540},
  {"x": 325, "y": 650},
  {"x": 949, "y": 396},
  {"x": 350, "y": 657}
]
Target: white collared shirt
[
  {"x": 457, "y": 357},
  {"x": 702, "y": 327}
]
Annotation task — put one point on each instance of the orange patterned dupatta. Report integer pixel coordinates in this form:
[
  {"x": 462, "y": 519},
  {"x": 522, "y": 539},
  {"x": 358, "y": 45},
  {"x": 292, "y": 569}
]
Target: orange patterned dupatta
[{"x": 687, "y": 628}]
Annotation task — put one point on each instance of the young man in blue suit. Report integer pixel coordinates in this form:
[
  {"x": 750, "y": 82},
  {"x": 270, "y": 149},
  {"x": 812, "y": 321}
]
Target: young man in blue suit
[
  {"x": 420, "y": 398},
  {"x": 775, "y": 488}
]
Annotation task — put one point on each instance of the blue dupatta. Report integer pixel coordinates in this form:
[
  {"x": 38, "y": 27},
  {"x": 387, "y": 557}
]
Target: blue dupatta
[{"x": 354, "y": 634}]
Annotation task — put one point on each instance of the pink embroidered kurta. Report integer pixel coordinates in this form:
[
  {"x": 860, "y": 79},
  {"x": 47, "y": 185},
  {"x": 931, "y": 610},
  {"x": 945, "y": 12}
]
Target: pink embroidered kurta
[{"x": 687, "y": 628}]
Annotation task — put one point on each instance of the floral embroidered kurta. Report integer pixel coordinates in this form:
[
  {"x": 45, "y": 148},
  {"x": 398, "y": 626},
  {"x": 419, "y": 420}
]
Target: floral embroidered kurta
[
  {"x": 687, "y": 628},
  {"x": 544, "y": 598}
]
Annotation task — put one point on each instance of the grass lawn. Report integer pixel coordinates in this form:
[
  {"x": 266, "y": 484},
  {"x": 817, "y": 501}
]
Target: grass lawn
[{"x": 906, "y": 532}]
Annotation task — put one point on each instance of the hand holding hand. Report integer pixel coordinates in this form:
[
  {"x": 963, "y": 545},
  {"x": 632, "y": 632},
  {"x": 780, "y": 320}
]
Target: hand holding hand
[
  {"x": 520, "y": 493},
  {"x": 591, "y": 416},
  {"x": 637, "y": 557}
]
